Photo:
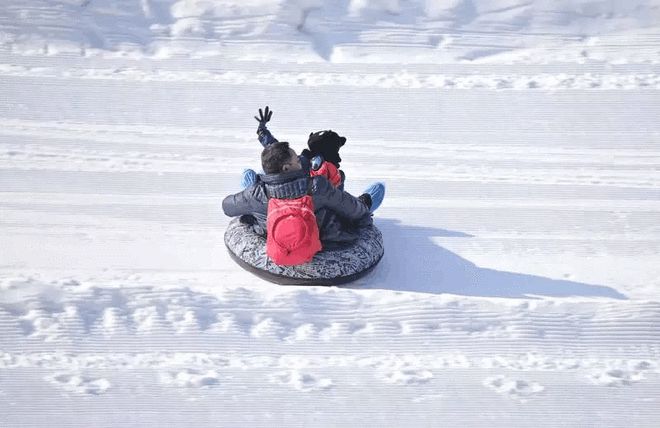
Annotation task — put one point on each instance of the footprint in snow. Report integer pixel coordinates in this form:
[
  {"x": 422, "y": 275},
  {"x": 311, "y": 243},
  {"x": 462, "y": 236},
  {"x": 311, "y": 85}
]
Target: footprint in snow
[
  {"x": 79, "y": 384},
  {"x": 189, "y": 378},
  {"x": 301, "y": 381},
  {"x": 516, "y": 389},
  {"x": 615, "y": 377},
  {"x": 406, "y": 376}
]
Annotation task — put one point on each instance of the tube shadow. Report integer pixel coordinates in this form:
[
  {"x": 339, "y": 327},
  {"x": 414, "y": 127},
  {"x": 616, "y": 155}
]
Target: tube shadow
[{"x": 413, "y": 262}]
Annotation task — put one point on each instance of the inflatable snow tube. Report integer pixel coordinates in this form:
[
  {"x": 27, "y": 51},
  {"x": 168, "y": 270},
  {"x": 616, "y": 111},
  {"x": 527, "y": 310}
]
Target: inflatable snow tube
[{"x": 332, "y": 266}]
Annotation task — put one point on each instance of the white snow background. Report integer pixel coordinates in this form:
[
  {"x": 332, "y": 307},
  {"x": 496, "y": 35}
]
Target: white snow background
[{"x": 519, "y": 140}]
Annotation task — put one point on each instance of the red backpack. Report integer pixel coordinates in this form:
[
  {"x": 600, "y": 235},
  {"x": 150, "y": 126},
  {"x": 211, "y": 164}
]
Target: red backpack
[{"x": 292, "y": 235}]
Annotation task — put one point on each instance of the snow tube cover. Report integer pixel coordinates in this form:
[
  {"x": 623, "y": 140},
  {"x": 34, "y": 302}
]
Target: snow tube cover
[{"x": 331, "y": 266}]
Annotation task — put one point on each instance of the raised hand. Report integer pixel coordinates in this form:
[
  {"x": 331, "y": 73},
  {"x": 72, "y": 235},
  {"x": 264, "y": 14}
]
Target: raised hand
[
  {"x": 264, "y": 116},
  {"x": 265, "y": 136}
]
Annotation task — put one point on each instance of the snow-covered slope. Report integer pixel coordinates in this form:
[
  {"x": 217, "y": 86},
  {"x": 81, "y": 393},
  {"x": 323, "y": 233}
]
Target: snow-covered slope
[
  {"x": 519, "y": 142},
  {"x": 297, "y": 31}
]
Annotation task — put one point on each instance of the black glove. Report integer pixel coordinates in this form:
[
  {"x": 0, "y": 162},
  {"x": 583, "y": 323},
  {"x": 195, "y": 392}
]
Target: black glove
[
  {"x": 326, "y": 144},
  {"x": 306, "y": 153},
  {"x": 315, "y": 161},
  {"x": 366, "y": 199},
  {"x": 264, "y": 117}
]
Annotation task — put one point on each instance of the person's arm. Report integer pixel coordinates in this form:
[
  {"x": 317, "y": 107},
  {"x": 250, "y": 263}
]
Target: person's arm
[
  {"x": 265, "y": 137},
  {"x": 339, "y": 201},
  {"x": 245, "y": 202}
]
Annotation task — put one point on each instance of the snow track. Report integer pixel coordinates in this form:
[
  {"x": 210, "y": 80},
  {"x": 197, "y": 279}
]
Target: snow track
[
  {"x": 87, "y": 317},
  {"x": 541, "y": 281},
  {"x": 68, "y": 339},
  {"x": 519, "y": 143}
]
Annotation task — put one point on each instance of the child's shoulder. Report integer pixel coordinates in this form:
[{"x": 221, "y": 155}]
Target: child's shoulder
[{"x": 329, "y": 171}]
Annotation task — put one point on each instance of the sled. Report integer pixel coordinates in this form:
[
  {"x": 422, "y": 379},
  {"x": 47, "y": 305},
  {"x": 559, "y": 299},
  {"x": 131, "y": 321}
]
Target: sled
[{"x": 335, "y": 265}]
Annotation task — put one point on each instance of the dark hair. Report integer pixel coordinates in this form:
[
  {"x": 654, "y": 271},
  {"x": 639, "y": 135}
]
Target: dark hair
[{"x": 275, "y": 156}]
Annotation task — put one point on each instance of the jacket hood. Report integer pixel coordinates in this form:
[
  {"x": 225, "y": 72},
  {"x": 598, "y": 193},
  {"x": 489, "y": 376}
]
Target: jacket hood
[{"x": 286, "y": 185}]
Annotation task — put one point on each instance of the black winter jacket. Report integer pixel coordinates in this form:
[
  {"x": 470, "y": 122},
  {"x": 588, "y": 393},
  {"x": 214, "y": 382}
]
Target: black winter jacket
[{"x": 338, "y": 213}]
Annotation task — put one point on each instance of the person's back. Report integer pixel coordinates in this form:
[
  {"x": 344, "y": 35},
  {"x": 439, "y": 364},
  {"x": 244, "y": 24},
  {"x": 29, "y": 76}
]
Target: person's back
[
  {"x": 289, "y": 178},
  {"x": 337, "y": 212}
]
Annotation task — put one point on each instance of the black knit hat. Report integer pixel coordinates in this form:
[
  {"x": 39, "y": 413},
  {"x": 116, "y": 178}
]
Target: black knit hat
[{"x": 326, "y": 144}]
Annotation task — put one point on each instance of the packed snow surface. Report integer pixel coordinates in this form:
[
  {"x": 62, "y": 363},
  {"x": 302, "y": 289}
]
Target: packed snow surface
[{"x": 520, "y": 145}]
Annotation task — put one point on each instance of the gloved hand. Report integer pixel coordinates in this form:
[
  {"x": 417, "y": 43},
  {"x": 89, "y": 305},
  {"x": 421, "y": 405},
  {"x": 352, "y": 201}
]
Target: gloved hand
[
  {"x": 266, "y": 138},
  {"x": 264, "y": 117},
  {"x": 315, "y": 161},
  {"x": 365, "y": 198}
]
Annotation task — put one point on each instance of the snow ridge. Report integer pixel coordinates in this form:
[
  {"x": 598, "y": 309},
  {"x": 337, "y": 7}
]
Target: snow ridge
[
  {"x": 402, "y": 79},
  {"x": 421, "y": 31},
  {"x": 199, "y": 344},
  {"x": 84, "y": 317}
]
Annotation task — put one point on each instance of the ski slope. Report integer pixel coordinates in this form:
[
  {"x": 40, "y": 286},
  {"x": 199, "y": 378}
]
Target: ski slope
[{"x": 520, "y": 145}]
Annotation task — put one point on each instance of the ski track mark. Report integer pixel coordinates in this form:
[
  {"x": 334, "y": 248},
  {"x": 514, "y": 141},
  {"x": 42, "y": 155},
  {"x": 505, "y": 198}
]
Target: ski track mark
[
  {"x": 364, "y": 80},
  {"x": 35, "y": 313}
]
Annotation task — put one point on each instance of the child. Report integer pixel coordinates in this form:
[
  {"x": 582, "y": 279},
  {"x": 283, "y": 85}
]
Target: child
[
  {"x": 320, "y": 158},
  {"x": 324, "y": 152}
]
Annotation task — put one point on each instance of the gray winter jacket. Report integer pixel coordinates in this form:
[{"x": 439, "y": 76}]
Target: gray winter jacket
[{"x": 338, "y": 213}]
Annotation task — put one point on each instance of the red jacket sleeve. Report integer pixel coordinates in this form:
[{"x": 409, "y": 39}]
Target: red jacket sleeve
[{"x": 329, "y": 171}]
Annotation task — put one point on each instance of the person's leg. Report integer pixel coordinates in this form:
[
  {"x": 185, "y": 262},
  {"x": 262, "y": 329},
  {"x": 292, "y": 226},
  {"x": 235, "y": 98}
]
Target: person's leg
[
  {"x": 248, "y": 178},
  {"x": 377, "y": 193}
]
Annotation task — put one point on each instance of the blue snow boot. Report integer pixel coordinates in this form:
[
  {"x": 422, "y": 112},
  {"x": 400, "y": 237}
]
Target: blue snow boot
[
  {"x": 377, "y": 192},
  {"x": 248, "y": 179}
]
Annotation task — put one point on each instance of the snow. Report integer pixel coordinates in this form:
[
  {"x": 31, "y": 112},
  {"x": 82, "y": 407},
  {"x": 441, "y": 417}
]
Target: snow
[{"x": 519, "y": 143}]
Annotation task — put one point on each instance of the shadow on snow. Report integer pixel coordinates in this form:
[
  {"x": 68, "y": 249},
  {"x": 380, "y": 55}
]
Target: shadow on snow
[{"x": 413, "y": 262}]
